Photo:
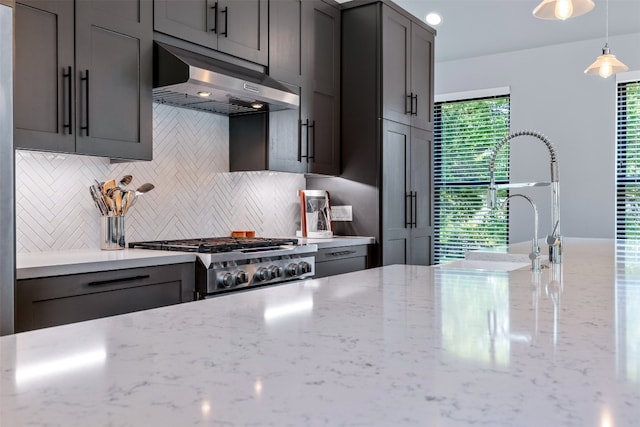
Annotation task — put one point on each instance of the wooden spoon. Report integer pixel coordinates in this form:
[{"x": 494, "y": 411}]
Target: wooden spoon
[
  {"x": 126, "y": 180},
  {"x": 117, "y": 199},
  {"x": 108, "y": 185}
]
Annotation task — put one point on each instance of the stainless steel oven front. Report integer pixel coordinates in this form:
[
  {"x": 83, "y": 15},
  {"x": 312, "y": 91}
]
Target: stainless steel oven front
[{"x": 220, "y": 273}]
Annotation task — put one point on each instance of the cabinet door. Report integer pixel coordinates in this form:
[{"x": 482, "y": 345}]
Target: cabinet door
[
  {"x": 324, "y": 90},
  {"x": 396, "y": 56},
  {"x": 195, "y": 21},
  {"x": 243, "y": 29},
  {"x": 422, "y": 230},
  {"x": 422, "y": 77},
  {"x": 44, "y": 68},
  {"x": 395, "y": 193},
  {"x": 114, "y": 41},
  {"x": 285, "y": 42}
]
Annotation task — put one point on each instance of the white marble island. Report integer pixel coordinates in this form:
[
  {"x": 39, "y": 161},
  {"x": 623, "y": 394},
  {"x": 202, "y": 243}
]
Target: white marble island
[{"x": 400, "y": 345}]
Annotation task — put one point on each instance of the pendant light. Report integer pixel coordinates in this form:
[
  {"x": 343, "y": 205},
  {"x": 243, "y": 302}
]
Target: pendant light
[
  {"x": 607, "y": 63},
  {"x": 562, "y": 9}
]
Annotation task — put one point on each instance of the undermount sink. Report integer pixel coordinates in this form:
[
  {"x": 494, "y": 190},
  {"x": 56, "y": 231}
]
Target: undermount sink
[{"x": 485, "y": 265}]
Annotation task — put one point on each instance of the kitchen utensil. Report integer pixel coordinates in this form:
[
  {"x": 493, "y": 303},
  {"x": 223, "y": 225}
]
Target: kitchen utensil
[
  {"x": 144, "y": 188},
  {"x": 108, "y": 185},
  {"x": 126, "y": 180},
  {"x": 129, "y": 199},
  {"x": 117, "y": 200},
  {"x": 96, "y": 195}
]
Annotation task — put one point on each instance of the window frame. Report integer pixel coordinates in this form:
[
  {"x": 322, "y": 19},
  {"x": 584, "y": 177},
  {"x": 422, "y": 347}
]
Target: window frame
[{"x": 622, "y": 179}]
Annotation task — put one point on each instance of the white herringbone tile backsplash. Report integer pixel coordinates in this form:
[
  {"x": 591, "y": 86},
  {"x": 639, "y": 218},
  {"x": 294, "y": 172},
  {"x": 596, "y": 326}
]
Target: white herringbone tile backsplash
[{"x": 195, "y": 195}]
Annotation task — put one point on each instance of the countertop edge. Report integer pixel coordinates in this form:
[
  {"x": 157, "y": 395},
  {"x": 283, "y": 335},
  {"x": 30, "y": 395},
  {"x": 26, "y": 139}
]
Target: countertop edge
[{"x": 63, "y": 263}]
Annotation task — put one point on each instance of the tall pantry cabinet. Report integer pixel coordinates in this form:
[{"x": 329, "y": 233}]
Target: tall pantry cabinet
[{"x": 387, "y": 131}]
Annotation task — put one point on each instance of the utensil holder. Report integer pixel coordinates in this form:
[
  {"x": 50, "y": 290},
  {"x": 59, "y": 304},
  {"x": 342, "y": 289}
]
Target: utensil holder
[{"x": 112, "y": 233}]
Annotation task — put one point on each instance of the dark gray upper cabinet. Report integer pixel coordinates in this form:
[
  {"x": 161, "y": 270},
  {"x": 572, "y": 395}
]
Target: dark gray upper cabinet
[
  {"x": 238, "y": 28},
  {"x": 320, "y": 101},
  {"x": 386, "y": 160},
  {"x": 304, "y": 54},
  {"x": 44, "y": 67},
  {"x": 89, "y": 84},
  {"x": 407, "y": 49}
]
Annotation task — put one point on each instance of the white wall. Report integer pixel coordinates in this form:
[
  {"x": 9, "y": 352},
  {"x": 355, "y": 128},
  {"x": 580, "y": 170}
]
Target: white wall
[
  {"x": 551, "y": 94},
  {"x": 195, "y": 195}
]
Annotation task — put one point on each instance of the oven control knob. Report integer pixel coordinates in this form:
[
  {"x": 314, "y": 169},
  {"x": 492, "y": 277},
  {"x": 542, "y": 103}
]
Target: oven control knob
[
  {"x": 263, "y": 274},
  {"x": 225, "y": 281},
  {"x": 291, "y": 269},
  {"x": 275, "y": 271},
  {"x": 240, "y": 277},
  {"x": 303, "y": 268}
]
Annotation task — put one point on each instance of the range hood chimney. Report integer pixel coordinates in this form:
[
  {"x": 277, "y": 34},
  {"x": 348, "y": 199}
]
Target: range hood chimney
[{"x": 186, "y": 79}]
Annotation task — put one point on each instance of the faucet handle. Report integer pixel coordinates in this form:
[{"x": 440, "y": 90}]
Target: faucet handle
[{"x": 553, "y": 240}]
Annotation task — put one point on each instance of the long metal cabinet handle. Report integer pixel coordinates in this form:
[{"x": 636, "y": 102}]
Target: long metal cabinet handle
[
  {"x": 226, "y": 20},
  {"x": 306, "y": 125},
  {"x": 410, "y": 109},
  {"x": 341, "y": 253},
  {"x": 123, "y": 279},
  {"x": 415, "y": 112},
  {"x": 408, "y": 211},
  {"x": 68, "y": 76},
  {"x": 86, "y": 100},
  {"x": 312, "y": 156},
  {"x": 415, "y": 210},
  {"x": 299, "y": 140},
  {"x": 215, "y": 18}
]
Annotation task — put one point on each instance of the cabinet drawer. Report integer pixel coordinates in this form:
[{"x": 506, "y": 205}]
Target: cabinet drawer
[
  {"x": 331, "y": 261},
  {"x": 332, "y": 254},
  {"x": 52, "y": 301}
]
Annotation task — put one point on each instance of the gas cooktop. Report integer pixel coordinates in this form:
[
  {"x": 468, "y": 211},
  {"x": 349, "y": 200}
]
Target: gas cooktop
[
  {"x": 215, "y": 244},
  {"x": 227, "y": 264}
]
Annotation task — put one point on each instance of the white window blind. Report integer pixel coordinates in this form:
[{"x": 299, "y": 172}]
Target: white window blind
[
  {"x": 465, "y": 132},
  {"x": 628, "y": 161}
]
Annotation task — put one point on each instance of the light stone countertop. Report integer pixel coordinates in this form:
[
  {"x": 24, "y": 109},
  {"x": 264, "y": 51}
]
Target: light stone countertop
[
  {"x": 392, "y": 346},
  {"x": 337, "y": 241},
  {"x": 78, "y": 261}
]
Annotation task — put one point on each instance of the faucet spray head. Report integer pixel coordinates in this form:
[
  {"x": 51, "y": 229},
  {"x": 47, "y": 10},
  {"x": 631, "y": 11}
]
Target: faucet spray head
[{"x": 492, "y": 193}]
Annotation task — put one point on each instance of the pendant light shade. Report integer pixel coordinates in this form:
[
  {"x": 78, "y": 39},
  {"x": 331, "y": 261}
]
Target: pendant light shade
[
  {"x": 606, "y": 65},
  {"x": 562, "y": 9}
]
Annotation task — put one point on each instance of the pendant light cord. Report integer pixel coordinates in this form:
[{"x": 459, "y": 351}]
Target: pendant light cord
[{"x": 606, "y": 31}]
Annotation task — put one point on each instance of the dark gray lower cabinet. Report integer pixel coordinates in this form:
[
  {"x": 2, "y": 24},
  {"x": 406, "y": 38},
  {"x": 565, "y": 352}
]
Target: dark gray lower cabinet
[
  {"x": 331, "y": 261},
  {"x": 53, "y": 301}
]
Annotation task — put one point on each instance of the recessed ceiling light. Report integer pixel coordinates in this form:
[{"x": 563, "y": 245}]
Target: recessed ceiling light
[
  {"x": 433, "y": 18},
  {"x": 257, "y": 105},
  {"x": 204, "y": 94}
]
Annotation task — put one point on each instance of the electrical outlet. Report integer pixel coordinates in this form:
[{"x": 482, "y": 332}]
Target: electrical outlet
[{"x": 341, "y": 213}]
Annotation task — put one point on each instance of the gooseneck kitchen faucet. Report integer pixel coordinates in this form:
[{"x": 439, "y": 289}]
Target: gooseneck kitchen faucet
[{"x": 554, "y": 240}]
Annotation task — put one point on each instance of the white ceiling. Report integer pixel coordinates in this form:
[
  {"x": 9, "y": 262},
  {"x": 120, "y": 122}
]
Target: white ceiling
[{"x": 482, "y": 27}]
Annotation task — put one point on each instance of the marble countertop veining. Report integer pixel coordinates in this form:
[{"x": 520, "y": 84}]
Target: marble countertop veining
[{"x": 392, "y": 346}]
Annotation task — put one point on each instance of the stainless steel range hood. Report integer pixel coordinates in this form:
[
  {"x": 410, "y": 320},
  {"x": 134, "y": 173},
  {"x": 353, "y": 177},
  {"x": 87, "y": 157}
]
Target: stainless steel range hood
[{"x": 186, "y": 79}]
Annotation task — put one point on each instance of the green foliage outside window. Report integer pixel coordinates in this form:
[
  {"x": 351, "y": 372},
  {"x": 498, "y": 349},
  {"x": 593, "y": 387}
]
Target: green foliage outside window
[
  {"x": 628, "y": 162},
  {"x": 465, "y": 134}
]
